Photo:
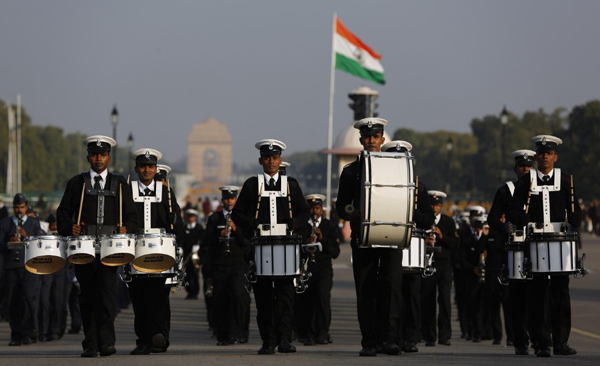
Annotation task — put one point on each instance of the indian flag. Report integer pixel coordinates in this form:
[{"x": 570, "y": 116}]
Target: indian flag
[{"x": 355, "y": 57}]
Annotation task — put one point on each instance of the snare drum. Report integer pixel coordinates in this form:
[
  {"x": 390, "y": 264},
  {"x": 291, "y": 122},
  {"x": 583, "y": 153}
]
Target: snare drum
[
  {"x": 45, "y": 254},
  {"x": 173, "y": 275},
  {"x": 552, "y": 252},
  {"x": 154, "y": 252},
  {"x": 81, "y": 249},
  {"x": 117, "y": 249},
  {"x": 277, "y": 255},
  {"x": 413, "y": 258},
  {"x": 515, "y": 249},
  {"x": 387, "y": 199}
]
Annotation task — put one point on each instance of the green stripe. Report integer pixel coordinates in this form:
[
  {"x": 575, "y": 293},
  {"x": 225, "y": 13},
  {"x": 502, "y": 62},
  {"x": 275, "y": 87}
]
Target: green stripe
[{"x": 351, "y": 66}]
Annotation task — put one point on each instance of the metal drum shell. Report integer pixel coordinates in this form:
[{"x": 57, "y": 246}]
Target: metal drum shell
[
  {"x": 553, "y": 252},
  {"x": 277, "y": 256},
  {"x": 515, "y": 252},
  {"x": 45, "y": 254},
  {"x": 413, "y": 258},
  {"x": 81, "y": 249},
  {"x": 154, "y": 253},
  {"x": 117, "y": 249}
]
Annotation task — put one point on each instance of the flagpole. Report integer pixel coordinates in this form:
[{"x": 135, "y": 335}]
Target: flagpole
[{"x": 330, "y": 135}]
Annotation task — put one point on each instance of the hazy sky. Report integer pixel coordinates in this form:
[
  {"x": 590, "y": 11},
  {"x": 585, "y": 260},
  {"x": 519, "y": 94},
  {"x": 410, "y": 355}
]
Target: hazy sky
[{"x": 262, "y": 67}]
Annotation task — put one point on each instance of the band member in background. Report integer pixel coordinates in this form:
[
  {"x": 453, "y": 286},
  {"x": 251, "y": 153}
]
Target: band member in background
[
  {"x": 226, "y": 249},
  {"x": 411, "y": 281},
  {"x": 193, "y": 239},
  {"x": 443, "y": 236},
  {"x": 149, "y": 295},
  {"x": 313, "y": 307},
  {"x": 274, "y": 296},
  {"x": 99, "y": 216},
  {"x": 373, "y": 267},
  {"x": 22, "y": 288},
  {"x": 473, "y": 241},
  {"x": 514, "y": 309},
  {"x": 547, "y": 205}
]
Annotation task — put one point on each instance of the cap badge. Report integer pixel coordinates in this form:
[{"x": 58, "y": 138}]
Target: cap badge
[
  {"x": 544, "y": 141},
  {"x": 435, "y": 195},
  {"x": 271, "y": 146},
  {"x": 525, "y": 156},
  {"x": 98, "y": 143},
  {"x": 369, "y": 124},
  {"x": 147, "y": 154},
  {"x": 314, "y": 199},
  {"x": 398, "y": 147}
]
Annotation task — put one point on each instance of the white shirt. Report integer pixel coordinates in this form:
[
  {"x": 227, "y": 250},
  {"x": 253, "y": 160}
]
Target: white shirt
[
  {"x": 151, "y": 187},
  {"x": 437, "y": 218},
  {"x": 268, "y": 178},
  {"x": 541, "y": 175},
  {"x": 104, "y": 174},
  {"x": 310, "y": 221}
]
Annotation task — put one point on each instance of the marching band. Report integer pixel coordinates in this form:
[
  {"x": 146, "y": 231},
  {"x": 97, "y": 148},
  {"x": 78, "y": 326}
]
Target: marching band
[{"x": 271, "y": 240}]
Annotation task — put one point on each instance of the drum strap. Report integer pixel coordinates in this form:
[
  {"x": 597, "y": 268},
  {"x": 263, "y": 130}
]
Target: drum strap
[
  {"x": 101, "y": 193},
  {"x": 511, "y": 188},
  {"x": 545, "y": 190},
  {"x": 147, "y": 200},
  {"x": 272, "y": 195}
]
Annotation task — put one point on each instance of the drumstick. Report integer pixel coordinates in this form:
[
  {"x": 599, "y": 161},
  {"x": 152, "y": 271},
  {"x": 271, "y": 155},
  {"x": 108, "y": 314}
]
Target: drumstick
[
  {"x": 128, "y": 177},
  {"x": 170, "y": 208},
  {"x": 572, "y": 196},
  {"x": 258, "y": 204},
  {"x": 289, "y": 199},
  {"x": 120, "y": 205},
  {"x": 81, "y": 204},
  {"x": 528, "y": 198},
  {"x": 416, "y": 192}
]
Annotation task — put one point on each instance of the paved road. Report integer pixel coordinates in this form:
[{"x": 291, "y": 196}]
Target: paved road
[{"x": 191, "y": 343}]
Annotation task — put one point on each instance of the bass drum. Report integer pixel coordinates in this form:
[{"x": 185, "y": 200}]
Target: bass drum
[
  {"x": 45, "y": 254},
  {"x": 387, "y": 199},
  {"x": 277, "y": 256}
]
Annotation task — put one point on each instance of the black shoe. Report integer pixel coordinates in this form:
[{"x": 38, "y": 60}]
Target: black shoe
[
  {"x": 509, "y": 343},
  {"x": 392, "y": 349},
  {"x": 368, "y": 352},
  {"x": 497, "y": 342},
  {"x": 476, "y": 340},
  {"x": 410, "y": 347},
  {"x": 444, "y": 342},
  {"x": 141, "y": 349},
  {"x": 53, "y": 337},
  {"x": 223, "y": 343},
  {"x": 266, "y": 350},
  {"x": 542, "y": 352},
  {"x": 14, "y": 343},
  {"x": 469, "y": 337},
  {"x": 108, "y": 350},
  {"x": 26, "y": 340},
  {"x": 158, "y": 343},
  {"x": 379, "y": 348},
  {"x": 43, "y": 339},
  {"x": 521, "y": 351},
  {"x": 74, "y": 330},
  {"x": 429, "y": 343},
  {"x": 285, "y": 347},
  {"x": 242, "y": 340},
  {"x": 89, "y": 353},
  {"x": 322, "y": 340},
  {"x": 309, "y": 342},
  {"x": 564, "y": 350}
]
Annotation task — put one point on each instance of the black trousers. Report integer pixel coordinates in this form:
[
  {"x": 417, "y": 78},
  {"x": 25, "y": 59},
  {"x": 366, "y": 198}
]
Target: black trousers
[
  {"x": 495, "y": 296},
  {"x": 557, "y": 309},
  {"x": 150, "y": 300},
  {"x": 441, "y": 281},
  {"x": 97, "y": 302},
  {"x": 22, "y": 296},
  {"x": 472, "y": 310},
  {"x": 519, "y": 298},
  {"x": 274, "y": 309},
  {"x": 313, "y": 307},
  {"x": 411, "y": 306},
  {"x": 71, "y": 304},
  {"x": 378, "y": 283},
  {"x": 192, "y": 277},
  {"x": 231, "y": 302},
  {"x": 461, "y": 297}
]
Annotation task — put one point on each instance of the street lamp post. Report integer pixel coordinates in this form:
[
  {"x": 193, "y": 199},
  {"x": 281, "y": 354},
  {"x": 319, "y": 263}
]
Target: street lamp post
[
  {"x": 504, "y": 121},
  {"x": 449, "y": 150},
  {"x": 129, "y": 146},
  {"x": 114, "y": 119}
]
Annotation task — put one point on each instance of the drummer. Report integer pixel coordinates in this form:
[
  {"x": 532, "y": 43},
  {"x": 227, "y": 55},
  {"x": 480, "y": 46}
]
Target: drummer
[
  {"x": 373, "y": 266},
  {"x": 274, "y": 296},
  {"x": 561, "y": 203},
  {"x": 149, "y": 295},
  {"x": 98, "y": 297},
  {"x": 22, "y": 287},
  {"x": 517, "y": 314},
  {"x": 423, "y": 218}
]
